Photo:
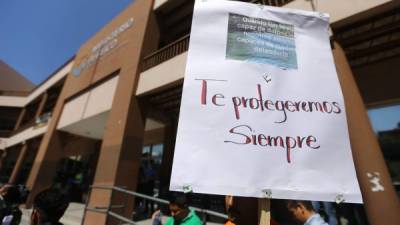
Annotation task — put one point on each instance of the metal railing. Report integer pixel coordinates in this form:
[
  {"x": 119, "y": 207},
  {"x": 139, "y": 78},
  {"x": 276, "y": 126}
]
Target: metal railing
[
  {"x": 107, "y": 210},
  {"x": 167, "y": 52}
]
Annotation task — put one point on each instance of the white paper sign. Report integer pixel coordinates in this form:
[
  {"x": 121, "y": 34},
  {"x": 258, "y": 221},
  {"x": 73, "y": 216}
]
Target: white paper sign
[{"x": 262, "y": 110}]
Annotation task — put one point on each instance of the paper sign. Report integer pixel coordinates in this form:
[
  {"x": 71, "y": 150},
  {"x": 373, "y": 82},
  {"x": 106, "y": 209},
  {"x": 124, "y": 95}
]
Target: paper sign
[{"x": 262, "y": 112}]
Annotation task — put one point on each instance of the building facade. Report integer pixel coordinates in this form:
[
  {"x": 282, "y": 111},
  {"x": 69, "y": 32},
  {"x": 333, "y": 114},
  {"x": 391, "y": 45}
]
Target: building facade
[{"x": 113, "y": 108}]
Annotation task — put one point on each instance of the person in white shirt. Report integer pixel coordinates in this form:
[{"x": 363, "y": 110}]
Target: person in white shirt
[{"x": 303, "y": 212}]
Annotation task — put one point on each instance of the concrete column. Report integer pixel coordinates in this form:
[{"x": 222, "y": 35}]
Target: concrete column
[
  {"x": 45, "y": 164},
  {"x": 48, "y": 154},
  {"x": 18, "y": 165},
  {"x": 20, "y": 118},
  {"x": 10, "y": 157},
  {"x": 380, "y": 200},
  {"x": 120, "y": 153},
  {"x": 41, "y": 105}
]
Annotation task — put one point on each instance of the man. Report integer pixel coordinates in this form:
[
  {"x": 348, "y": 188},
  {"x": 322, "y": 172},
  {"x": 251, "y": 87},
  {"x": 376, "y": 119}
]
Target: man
[
  {"x": 48, "y": 207},
  {"x": 180, "y": 213},
  {"x": 303, "y": 212}
]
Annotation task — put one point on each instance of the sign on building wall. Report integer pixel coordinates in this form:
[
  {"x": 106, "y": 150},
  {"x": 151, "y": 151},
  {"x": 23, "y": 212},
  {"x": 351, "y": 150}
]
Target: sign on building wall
[
  {"x": 101, "y": 48},
  {"x": 262, "y": 112}
]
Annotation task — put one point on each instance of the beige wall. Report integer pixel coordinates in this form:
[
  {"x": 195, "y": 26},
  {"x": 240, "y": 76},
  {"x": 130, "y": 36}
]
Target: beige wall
[
  {"x": 12, "y": 101},
  {"x": 167, "y": 73},
  {"x": 89, "y": 104}
]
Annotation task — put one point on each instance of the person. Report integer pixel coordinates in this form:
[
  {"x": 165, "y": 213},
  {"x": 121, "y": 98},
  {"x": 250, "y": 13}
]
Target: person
[
  {"x": 148, "y": 185},
  {"x": 328, "y": 207},
  {"x": 180, "y": 213},
  {"x": 48, "y": 207},
  {"x": 303, "y": 212},
  {"x": 11, "y": 196},
  {"x": 233, "y": 213}
]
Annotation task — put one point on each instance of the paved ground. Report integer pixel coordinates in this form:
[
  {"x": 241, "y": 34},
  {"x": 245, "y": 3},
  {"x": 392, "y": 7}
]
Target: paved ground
[{"x": 74, "y": 214}]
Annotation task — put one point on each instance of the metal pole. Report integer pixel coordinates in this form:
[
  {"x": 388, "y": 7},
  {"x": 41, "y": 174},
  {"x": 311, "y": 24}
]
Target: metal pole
[
  {"x": 109, "y": 206},
  {"x": 204, "y": 217},
  {"x": 121, "y": 218}
]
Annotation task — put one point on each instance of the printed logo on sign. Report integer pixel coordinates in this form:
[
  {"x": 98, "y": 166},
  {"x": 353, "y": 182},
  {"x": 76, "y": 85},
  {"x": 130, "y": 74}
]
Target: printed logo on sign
[{"x": 261, "y": 41}]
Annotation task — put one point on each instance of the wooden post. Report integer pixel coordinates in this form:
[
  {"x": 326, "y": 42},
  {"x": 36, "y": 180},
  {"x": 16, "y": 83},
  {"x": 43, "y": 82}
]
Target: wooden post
[
  {"x": 381, "y": 203},
  {"x": 264, "y": 213}
]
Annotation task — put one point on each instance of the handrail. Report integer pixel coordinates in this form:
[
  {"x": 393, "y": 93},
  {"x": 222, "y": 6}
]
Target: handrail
[
  {"x": 23, "y": 127},
  {"x": 159, "y": 200},
  {"x": 96, "y": 210},
  {"x": 35, "y": 123},
  {"x": 167, "y": 52},
  {"x": 168, "y": 45},
  {"x": 136, "y": 194},
  {"x": 107, "y": 209},
  {"x": 121, "y": 218}
]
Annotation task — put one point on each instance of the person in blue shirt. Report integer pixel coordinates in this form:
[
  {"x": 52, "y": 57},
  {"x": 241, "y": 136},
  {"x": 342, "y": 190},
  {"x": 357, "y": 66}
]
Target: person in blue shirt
[
  {"x": 328, "y": 208},
  {"x": 303, "y": 212}
]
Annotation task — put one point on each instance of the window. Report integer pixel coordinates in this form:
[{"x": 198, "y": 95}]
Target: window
[{"x": 386, "y": 124}]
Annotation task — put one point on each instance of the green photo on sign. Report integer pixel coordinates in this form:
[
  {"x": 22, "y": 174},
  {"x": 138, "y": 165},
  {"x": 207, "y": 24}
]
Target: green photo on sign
[{"x": 261, "y": 41}]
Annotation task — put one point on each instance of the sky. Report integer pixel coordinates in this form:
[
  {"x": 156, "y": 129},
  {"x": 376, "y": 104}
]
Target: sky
[
  {"x": 37, "y": 37},
  {"x": 385, "y": 118}
]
